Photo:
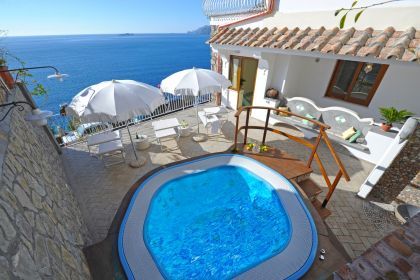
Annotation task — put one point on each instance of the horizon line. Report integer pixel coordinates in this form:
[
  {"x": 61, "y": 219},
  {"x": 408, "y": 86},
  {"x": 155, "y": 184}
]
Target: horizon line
[{"x": 122, "y": 33}]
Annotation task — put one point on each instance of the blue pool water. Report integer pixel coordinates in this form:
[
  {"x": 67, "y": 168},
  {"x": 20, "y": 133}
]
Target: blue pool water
[{"x": 215, "y": 224}]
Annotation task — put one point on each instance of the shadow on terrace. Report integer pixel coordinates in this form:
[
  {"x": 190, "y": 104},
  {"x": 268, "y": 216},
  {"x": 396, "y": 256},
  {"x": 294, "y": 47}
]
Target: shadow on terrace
[{"x": 100, "y": 190}]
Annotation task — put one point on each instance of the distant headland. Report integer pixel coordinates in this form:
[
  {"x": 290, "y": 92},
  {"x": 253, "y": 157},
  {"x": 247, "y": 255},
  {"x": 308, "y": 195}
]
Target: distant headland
[{"x": 204, "y": 30}]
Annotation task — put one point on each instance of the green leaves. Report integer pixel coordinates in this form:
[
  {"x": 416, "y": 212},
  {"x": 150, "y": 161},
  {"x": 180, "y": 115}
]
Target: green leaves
[
  {"x": 392, "y": 115},
  {"x": 39, "y": 90},
  {"x": 338, "y": 12},
  {"x": 356, "y": 18},
  {"x": 343, "y": 20}
]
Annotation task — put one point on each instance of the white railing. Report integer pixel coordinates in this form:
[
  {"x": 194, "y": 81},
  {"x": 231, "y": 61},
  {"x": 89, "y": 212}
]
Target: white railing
[
  {"x": 213, "y": 8},
  {"x": 67, "y": 131}
]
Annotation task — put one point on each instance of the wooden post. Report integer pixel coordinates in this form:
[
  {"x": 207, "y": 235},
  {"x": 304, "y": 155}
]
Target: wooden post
[
  {"x": 314, "y": 149},
  {"x": 246, "y": 125},
  {"x": 236, "y": 134},
  {"x": 332, "y": 188},
  {"x": 266, "y": 125}
]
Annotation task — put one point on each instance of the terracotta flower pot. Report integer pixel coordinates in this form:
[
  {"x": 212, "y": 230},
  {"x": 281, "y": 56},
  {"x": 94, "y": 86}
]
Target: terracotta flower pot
[
  {"x": 386, "y": 126},
  {"x": 272, "y": 93},
  {"x": 7, "y": 77}
]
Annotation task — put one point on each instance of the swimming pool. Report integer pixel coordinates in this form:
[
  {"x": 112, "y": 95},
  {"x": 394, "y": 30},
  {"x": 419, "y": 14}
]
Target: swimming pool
[{"x": 219, "y": 217}]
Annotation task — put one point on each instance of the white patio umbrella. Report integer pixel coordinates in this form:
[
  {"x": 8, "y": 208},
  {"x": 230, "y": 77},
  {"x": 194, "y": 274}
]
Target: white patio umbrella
[
  {"x": 195, "y": 82},
  {"x": 116, "y": 101}
]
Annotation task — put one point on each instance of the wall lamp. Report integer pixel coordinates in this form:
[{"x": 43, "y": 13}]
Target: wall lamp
[
  {"x": 37, "y": 117},
  {"x": 57, "y": 75}
]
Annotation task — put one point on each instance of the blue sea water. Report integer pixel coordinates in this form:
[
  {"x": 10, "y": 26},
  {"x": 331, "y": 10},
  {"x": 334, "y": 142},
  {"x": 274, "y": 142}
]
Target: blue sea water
[
  {"x": 215, "y": 224},
  {"x": 90, "y": 59}
]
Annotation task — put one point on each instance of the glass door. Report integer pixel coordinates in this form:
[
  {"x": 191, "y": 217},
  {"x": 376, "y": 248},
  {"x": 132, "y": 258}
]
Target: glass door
[{"x": 243, "y": 72}]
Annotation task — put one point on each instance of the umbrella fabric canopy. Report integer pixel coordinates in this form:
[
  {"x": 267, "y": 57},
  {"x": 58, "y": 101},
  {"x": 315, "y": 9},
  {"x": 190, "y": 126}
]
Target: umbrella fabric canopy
[
  {"x": 195, "y": 82},
  {"x": 116, "y": 100}
]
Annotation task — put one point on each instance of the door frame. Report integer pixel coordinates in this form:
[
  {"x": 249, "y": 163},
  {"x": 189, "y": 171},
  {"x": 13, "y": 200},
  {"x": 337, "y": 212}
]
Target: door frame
[{"x": 239, "y": 75}]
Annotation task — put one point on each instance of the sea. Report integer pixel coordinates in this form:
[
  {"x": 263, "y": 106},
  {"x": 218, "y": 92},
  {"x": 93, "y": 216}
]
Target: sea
[{"x": 91, "y": 59}]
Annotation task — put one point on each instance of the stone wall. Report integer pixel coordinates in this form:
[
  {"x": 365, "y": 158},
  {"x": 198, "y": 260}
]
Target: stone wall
[{"x": 41, "y": 229}]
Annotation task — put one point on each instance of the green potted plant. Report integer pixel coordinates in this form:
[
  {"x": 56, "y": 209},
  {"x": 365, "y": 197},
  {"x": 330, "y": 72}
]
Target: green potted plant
[
  {"x": 184, "y": 129},
  {"x": 392, "y": 115}
]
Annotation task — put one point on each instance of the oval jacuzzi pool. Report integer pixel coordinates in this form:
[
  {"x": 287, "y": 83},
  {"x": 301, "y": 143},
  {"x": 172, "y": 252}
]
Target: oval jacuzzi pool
[{"x": 219, "y": 217}]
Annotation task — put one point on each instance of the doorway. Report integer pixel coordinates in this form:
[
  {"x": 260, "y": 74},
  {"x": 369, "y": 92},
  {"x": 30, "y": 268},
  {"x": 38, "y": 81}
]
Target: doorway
[{"x": 242, "y": 74}]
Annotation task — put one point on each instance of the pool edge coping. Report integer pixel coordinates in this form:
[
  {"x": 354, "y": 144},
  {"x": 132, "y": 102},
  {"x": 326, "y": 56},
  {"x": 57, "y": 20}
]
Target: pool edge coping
[{"x": 142, "y": 182}]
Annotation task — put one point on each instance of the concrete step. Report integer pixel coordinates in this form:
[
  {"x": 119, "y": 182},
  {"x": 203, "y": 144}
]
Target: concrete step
[{"x": 311, "y": 189}]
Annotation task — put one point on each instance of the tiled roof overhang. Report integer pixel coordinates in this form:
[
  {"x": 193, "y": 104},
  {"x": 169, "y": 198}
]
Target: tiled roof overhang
[{"x": 387, "y": 44}]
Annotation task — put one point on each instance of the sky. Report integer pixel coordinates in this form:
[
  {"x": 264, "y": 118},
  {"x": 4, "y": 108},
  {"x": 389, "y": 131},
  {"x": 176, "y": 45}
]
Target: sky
[{"x": 55, "y": 17}]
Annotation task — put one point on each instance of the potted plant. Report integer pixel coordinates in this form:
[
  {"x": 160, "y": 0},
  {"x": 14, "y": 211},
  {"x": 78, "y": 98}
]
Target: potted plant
[
  {"x": 392, "y": 115},
  {"x": 142, "y": 142},
  {"x": 7, "y": 77},
  {"x": 184, "y": 129}
]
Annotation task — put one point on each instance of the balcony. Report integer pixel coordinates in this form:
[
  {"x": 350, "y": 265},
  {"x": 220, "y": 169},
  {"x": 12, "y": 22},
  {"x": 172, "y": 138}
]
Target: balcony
[{"x": 215, "y": 8}]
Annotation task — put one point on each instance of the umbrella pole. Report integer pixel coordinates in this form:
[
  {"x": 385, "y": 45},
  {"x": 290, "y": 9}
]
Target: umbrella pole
[
  {"x": 138, "y": 162},
  {"x": 196, "y": 115},
  {"x": 132, "y": 143},
  {"x": 199, "y": 137}
]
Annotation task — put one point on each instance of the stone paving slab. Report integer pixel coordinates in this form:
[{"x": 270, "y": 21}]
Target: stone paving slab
[{"x": 100, "y": 190}]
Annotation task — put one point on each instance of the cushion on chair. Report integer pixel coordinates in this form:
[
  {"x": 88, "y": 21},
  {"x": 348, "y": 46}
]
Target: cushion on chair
[
  {"x": 353, "y": 138},
  {"x": 348, "y": 133}
]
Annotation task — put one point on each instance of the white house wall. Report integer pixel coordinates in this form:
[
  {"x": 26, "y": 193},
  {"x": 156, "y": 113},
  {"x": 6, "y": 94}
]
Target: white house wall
[
  {"x": 305, "y": 77},
  {"x": 304, "y": 13}
]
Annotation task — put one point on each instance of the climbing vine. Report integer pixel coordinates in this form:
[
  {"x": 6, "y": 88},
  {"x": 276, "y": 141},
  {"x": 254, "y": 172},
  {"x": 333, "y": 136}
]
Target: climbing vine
[
  {"x": 25, "y": 77},
  {"x": 343, "y": 12}
]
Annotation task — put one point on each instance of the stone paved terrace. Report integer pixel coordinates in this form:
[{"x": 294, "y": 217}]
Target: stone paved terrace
[
  {"x": 357, "y": 223},
  {"x": 396, "y": 256}
]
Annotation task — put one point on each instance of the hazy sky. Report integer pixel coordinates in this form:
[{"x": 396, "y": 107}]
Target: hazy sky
[{"x": 48, "y": 17}]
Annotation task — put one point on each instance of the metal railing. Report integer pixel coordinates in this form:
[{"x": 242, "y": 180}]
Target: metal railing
[
  {"x": 322, "y": 135},
  {"x": 68, "y": 130},
  {"x": 228, "y": 7}
]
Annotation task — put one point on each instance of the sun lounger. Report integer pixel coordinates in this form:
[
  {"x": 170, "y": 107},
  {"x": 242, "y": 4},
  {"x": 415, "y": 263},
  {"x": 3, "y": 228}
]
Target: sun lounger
[
  {"x": 165, "y": 133},
  {"x": 210, "y": 121},
  {"x": 220, "y": 111},
  {"x": 166, "y": 128},
  {"x": 110, "y": 149},
  {"x": 103, "y": 137}
]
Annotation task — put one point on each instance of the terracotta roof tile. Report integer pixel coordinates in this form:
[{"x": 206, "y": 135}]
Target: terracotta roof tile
[
  {"x": 382, "y": 44},
  {"x": 263, "y": 38},
  {"x": 256, "y": 34}
]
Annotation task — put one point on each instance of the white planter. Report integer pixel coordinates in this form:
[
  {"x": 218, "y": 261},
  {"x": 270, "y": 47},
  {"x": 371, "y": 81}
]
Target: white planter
[
  {"x": 184, "y": 131},
  {"x": 142, "y": 143}
]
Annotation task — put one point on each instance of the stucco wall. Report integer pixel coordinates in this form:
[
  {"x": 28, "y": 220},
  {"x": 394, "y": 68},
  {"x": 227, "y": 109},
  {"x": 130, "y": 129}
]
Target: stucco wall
[
  {"x": 304, "y": 13},
  {"x": 305, "y": 77},
  {"x": 41, "y": 228}
]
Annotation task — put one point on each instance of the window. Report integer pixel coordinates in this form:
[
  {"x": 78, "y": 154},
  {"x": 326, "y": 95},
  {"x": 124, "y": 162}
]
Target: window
[{"x": 355, "y": 82}]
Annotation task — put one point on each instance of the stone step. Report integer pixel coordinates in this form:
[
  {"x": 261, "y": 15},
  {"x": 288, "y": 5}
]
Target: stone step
[
  {"x": 311, "y": 189},
  {"x": 323, "y": 212}
]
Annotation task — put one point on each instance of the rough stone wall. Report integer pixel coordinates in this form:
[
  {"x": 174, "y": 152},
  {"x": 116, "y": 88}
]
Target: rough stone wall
[
  {"x": 400, "y": 182},
  {"x": 41, "y": 229}
]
